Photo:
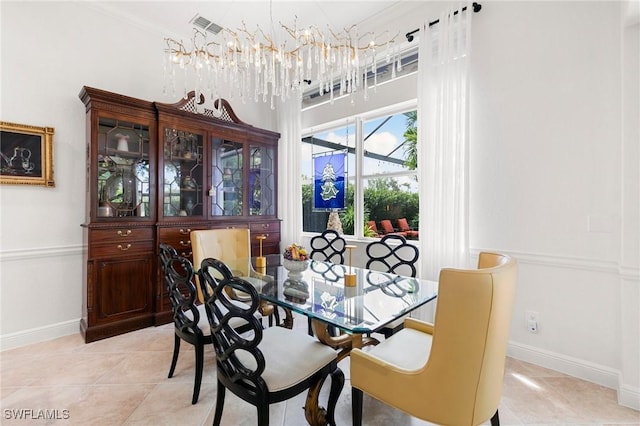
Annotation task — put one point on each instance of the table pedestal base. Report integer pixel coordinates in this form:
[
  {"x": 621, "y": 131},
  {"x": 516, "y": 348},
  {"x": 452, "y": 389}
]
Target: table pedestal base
[{"x": 344, "y": 342}]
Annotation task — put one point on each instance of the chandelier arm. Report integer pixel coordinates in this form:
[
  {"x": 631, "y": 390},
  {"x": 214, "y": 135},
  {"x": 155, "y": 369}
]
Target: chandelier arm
[
  {"x": 267, "y": 38},
  {"x": 206, "y": 50},
  {"x": 292, "y": 33},
  {"x": 390, "y": 41},
  {"x": 334, "y": 35},
  {"x": 236, "y": 40},
  {"x": 174, "y": 46}
]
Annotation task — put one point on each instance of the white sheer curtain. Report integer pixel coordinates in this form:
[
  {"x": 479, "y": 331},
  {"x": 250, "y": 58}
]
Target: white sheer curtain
[
  {"x": 289, "y": 180},
  {"x": 443, "y": 95}
]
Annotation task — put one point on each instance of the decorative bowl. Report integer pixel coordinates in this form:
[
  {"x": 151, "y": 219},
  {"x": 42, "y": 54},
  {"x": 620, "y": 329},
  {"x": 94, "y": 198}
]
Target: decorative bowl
[{"x": 295, "y": 267}]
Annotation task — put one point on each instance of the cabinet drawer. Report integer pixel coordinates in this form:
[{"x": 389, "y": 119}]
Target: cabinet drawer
[
  {"x": 271, "y": 237},
  {"x": 121, "y": 248},
  {"x": 264, "y": 227},
  {"x": 178, "y": 232},
  {"x": 181, "y": 245},
  {"x": 179, "y": 238},
  {"x": 178, "y": 243},
  {"x": 267, "y": 248},
  {"x": 120, "y": 234}
]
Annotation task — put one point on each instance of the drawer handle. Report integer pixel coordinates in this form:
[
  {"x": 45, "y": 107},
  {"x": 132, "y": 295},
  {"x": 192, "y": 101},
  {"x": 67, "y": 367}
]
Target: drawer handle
[
  {"x": 124, "y": 248},
  {"x": 124, "y": 234},
  {"x": 265, "y": 226},
  {"x": 185, "y": 231},
  {"x": 185, "y": 244},
  {"x": 184, "y": 254}
]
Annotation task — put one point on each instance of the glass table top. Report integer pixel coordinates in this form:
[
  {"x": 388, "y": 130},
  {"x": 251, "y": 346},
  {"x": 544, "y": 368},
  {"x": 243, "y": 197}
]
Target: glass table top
[{"x": 319, "y": 292}]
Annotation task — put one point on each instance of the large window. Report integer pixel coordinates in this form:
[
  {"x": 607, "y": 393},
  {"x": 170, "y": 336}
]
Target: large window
[{"x": 378, "y": 152}]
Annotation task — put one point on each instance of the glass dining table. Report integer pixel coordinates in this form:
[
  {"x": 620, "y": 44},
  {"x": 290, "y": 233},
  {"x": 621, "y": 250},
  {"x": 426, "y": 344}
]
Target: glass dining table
[{"x": 319, "y": 292}]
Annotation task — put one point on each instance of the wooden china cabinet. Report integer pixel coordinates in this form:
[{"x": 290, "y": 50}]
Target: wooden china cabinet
[
  {"x": 214, "y": 173},
  {"x": 155, "y": 172}
]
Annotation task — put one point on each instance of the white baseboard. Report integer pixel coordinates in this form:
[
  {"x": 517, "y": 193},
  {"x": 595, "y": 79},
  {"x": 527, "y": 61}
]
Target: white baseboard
[
  {"x": 39, "y": 334},
  {"x": 629, "y": 397},
  {"x": 591, "y": 372}
]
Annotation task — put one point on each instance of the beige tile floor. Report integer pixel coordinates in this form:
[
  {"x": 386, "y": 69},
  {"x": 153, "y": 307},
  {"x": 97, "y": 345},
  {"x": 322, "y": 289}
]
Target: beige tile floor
[{"x": 123, "y": 381}]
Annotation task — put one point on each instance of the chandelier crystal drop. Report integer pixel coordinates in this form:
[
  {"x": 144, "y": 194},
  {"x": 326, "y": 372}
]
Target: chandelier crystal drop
[{"x": 254, "y": 65}]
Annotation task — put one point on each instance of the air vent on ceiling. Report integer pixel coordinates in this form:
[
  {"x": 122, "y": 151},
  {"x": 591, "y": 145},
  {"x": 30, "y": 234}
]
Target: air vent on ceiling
[{"x": 205, "y": 24}]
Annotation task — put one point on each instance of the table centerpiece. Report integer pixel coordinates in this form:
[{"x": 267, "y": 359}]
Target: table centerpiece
[{"x": 296, "y": 260}]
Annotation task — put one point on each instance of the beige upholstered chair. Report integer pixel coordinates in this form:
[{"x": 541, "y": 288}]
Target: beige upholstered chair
[
  {"x": 450, "y": 372},
  {"x": 232, "y": 247}
]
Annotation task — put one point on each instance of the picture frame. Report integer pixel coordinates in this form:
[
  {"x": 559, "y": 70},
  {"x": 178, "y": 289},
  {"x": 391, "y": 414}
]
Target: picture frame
[{"x": 26, "y": 154}]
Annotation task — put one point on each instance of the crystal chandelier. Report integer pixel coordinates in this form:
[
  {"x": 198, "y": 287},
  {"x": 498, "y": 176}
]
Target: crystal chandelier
[{"x": 256, "y": 65}]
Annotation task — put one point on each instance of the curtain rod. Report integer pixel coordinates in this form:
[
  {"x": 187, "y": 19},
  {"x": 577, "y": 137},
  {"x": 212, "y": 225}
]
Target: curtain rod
[{"x": 476, "y": 9}]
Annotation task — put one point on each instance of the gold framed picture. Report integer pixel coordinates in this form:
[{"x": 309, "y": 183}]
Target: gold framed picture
[{"x": 26, "y": 154}]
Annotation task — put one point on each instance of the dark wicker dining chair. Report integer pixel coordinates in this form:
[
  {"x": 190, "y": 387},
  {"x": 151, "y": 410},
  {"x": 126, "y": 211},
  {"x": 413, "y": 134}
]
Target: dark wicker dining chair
[
  {"x": 329, "y": 246},
  {"x": 190, "y": 319},
  {"x": 264, "y": 366},
  {"x": 395, "y": 255}
]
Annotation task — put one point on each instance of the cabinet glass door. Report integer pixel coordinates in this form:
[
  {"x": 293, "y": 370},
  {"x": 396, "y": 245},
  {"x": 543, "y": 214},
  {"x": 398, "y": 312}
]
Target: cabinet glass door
[
  {"x": 122, "y": 169},
  {"x": 227, "y": 190},
  {"x": 183, "y": 173},
  {"x": 261, "y": 180}
]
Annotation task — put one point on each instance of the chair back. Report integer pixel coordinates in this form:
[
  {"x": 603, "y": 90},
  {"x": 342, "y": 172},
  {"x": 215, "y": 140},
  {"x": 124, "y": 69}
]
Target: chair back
[
  {"x": 387, "y": 226},
  {"x": 403, "y": 225},
  {"x": 240, "y": 361},
  {"x": 472, "y": 321},
  {"x": 405, "y": 230},
  {"x": 226, "y": 245},
  {"x": 373, "y": 227},
  {"x": 328, "y": 246},
  {"x": 393, "y": 254},
  {"x": 178, "y": 276}
]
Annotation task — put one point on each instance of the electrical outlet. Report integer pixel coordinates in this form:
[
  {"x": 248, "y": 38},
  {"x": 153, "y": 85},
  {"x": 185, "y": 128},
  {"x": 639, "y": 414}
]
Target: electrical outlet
[{"x": 532, "y": 321}]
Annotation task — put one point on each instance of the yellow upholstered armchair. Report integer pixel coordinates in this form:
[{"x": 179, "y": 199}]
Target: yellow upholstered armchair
[
  {"x": 450, "y": 372},
  {"x": 232, "y": 247}
]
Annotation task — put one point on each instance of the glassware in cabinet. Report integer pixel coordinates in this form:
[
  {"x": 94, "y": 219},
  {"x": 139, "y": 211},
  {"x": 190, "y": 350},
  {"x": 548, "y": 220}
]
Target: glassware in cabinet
[
  {"x": 183, "y": 175},
  {"x": 123, "y": 169}
]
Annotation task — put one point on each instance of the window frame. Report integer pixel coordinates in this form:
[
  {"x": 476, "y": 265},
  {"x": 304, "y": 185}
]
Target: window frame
[{"x": 358, "y": 120}]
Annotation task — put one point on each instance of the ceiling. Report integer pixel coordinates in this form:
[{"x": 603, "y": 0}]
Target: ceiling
[{"x": 171, "y": 18}]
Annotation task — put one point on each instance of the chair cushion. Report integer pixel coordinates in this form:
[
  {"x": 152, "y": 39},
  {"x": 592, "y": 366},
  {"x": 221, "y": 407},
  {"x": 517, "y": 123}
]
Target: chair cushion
[
  {"x": 290, "y": 357},
  {"x": 401, "y": 349}
]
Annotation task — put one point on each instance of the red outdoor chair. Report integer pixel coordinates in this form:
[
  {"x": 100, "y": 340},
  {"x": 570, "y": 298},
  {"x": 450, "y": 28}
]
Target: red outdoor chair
[
  {"x": 372, "y": 225},
  {"x": 403, "y": 226},
  {"x": 387, "y": 228}
]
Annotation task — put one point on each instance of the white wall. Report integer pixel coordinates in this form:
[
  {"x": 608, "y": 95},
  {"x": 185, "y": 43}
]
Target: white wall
[
  {"x": 554, "y": 177},
  {"x": 545, "y": 156},
  {"x": 630, "y": 256}
]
